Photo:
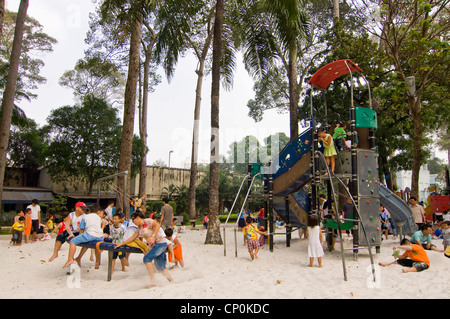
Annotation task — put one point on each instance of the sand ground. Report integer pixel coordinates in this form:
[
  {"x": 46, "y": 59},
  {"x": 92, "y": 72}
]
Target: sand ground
[{"x": 283, "y": 273}]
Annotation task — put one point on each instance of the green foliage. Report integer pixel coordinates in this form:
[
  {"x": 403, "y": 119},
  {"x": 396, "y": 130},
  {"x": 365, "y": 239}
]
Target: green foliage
[
  {"x": 158, "y": 204},
  {"x": 96, "y": 76},
  {"x": 26, "y": 144},
  {"x": 223, "y": 218},
  {"x": 35, "y": 42},
  {"x": 84, "y": 142},
  {"x": 249, "y": 150},
  {"x": 57, "y": 206}
]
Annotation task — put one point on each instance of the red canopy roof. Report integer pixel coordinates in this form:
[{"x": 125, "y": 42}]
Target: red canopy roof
[{"x": 327, "y": 74}]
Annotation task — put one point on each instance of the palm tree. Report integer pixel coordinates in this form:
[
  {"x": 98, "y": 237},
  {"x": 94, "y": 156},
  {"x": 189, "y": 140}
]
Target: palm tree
[
  {"x": 130, "y": 14},
  {"x": 213, "y": 234},
  {"x": 201, "y": 56},
  {"x": 194, "y": 30},
  {"x": 10, "y": 90},
  {"x": 148, "y": 43},
  {"x": 274, "y": 30}
]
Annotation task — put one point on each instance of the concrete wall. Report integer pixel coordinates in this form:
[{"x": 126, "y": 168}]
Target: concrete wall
[{"x": 158, "y": 179}]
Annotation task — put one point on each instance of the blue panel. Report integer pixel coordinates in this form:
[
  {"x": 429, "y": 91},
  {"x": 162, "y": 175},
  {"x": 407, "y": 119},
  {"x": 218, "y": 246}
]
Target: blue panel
[
  {"x": 291, "y": 154},
  {"x": 281, "y": 210},
  {"x": 302, "y": 199}
]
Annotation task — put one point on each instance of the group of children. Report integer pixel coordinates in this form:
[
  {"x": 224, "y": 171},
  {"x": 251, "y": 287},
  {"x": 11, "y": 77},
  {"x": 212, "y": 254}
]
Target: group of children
[
  {"x": 92, "y": 225},
  {"x": 146, "y": 234},
  {"x": 315, "y": 249},
  {"x": 21, "y": 228}
]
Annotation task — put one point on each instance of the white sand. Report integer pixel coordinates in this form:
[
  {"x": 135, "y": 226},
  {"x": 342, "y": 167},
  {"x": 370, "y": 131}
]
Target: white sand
[{"x": 284, "y": 273}]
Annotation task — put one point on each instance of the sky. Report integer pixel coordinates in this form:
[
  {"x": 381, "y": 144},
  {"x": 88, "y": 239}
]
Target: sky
[{"x": 171, "y": 106}]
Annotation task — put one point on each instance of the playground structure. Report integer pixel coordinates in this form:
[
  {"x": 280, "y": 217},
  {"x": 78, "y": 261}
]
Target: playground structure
[{"x": 293, "y": 179}]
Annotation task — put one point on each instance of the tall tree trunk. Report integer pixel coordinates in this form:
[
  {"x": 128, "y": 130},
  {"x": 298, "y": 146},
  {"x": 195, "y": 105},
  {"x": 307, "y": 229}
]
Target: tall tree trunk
[
  {"x": 415, "y": 108},
  {"x": 2, "y": 15},
  {"x": 10, "y": 91},
  {"x": 191, "y": 209},
  {"x": 293, "y": 93},
  {"x": 195, "y": 141},
  {"x": 126, "y": 144},
  {"x": 143, "y": 120},
  {"x": 213, "y": 234},
  {"x": 336, "y": 10}
]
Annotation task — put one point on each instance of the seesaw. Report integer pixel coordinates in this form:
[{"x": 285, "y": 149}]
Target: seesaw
[{"x": 110, "y": 248}]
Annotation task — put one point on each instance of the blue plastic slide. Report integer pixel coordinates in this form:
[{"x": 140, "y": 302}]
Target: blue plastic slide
[{"x": 399, "y": 209}]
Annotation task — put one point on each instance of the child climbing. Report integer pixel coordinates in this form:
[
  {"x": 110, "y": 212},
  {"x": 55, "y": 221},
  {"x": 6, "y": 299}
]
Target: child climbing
[
  {"x": 339, "y": 136},
  {"x": 328, "y": 144}
]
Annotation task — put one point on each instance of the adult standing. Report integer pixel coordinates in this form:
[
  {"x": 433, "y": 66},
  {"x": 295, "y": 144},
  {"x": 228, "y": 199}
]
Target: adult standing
[
  {"x": 72, "y": 227},
  {"x": 166, "y": 214},
  {"x": 418, "y": 213},
  {"x": 35, "y": 218}
]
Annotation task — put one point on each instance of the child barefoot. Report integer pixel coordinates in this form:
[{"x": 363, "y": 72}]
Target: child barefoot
[
  {"x": 250, "y": 232},
  {"x": 175, "y": 250},
  {"x": 315, "y": 249}
]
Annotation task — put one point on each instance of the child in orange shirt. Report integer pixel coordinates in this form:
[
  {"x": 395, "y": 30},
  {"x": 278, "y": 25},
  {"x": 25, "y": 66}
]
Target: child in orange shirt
[
  {"x": 415, "y": 257},
  {"x": 175, "y": 250},
  {"x": 27, "y": 231}
]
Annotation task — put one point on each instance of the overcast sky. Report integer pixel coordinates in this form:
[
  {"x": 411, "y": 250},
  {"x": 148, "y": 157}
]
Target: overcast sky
[{"x": 171, "y": 106}]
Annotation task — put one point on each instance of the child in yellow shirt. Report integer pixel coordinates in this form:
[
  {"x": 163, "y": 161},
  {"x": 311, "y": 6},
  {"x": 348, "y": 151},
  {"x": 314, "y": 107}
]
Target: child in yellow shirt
[
  {"x": 250, "y": 232},
  {"x": 17, "y": 231}
]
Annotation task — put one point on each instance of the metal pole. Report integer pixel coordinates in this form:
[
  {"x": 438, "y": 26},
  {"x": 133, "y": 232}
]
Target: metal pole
[
  {"x": 338, "y": 221},
  {"x": 354, "y": 176},
  {"x": 231, "y": 211},
  {"x": 124, "y": 173},
  {"x": 288, "y": 227},
  {"x": 240, "y": 212},
  {"x": 125, "y": 198}
]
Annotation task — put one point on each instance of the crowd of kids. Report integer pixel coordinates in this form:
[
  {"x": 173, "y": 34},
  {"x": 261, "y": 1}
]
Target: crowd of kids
[
  {"x": 160, "y": 243},
  {"x": 156, "y": 237}
]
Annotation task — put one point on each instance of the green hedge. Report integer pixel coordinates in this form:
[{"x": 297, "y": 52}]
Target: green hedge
[
  {"x": 157, "y": 204},
  {"x": 7, "y": 218},
  {"x": 223, "y": 218}
]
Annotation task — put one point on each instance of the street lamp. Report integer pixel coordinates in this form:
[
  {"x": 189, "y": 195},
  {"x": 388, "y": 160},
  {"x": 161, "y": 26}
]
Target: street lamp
[{"x": 168, "y": 186}]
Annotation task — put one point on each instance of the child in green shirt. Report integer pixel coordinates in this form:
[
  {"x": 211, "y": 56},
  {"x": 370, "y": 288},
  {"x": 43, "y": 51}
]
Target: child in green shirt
[{"x": 339, "y": 136}]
